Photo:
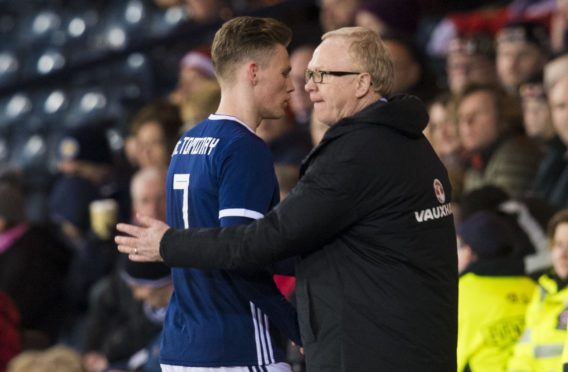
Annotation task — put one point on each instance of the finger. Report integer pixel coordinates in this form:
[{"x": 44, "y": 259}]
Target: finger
[
  {"x": 129, "y": 229},
  {"x": 127, "y": 241},
  {"x": 125, "y": 249},
  {"x": 139, "y": 258}
]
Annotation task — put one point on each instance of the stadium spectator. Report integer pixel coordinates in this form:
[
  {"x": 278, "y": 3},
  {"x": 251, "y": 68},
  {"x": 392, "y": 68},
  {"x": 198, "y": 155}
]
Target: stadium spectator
[
  {"x": 442, "y": 130},
  {"x": 150, "y": 283},
  {"x": 288, "y": 142},
  {"x": 487, "y": 119},
  {"x": 552, "y": 178},
  {"x": 537, "y": 119},
  {"x": 85, "y": 161},
  {"x": 33, "y": 265},
  {"x": 197, "y": 92},
  {"x": 411, "y": 72},
  {"x": 527, "y": 216},
  {"x": 300, "y": 103},
  {"x": 522, "y": 52},
  {"x": 58, "y": 358},
  {"x": 200, "y": 103},
  {"x": 155, "y": 130},
  {"x": 559, "y": 27},
  {"x": 335, "y": 14},
  {"x": 194, "y": 68},
  {"x": 125, "y": 320},
  {"x": 10, "y": 334},
  {"x": 470, "y": 60},
  {"x": 87, "y": 175},
  {"x": 117, "y": 326},
  {"x": 541, "y": 345},
  {"x": 494, "y": 293}
]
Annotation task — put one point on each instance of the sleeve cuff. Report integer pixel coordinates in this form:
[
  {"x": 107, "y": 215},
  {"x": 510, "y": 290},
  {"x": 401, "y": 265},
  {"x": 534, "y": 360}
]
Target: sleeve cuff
[{"x": 164, "y": 243}]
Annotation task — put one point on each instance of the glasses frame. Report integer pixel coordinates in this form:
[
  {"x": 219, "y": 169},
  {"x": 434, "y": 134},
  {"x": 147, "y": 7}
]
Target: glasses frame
[{"x": 312, "y": 74}]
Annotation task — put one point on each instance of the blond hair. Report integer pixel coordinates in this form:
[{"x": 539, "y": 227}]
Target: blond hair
[
  {"x": 246, "y": 37},
  {"x": 369, "y": 52}
]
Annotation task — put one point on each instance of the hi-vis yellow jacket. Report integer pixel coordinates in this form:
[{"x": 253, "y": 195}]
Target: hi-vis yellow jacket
[
  {"x": 540, "y": 348},
  {"x": 565, "y": 355},
  {"x": 491, "y": 317}
]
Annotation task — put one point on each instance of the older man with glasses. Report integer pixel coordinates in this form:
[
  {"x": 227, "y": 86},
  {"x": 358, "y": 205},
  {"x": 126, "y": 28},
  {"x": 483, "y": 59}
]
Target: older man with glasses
[{"x": 370, "y": 219}]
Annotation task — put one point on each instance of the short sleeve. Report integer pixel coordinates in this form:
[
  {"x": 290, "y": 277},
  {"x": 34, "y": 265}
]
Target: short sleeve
[{"x": 247, "y": 184}]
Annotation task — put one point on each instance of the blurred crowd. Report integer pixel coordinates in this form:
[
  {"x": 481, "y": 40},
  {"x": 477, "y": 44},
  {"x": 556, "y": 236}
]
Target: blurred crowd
[{"x": 494, "y": 76}]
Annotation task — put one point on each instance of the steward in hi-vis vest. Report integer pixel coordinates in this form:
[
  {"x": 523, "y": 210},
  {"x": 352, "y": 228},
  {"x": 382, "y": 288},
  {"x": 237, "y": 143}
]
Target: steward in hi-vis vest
[{"x": 493, "y": 294}]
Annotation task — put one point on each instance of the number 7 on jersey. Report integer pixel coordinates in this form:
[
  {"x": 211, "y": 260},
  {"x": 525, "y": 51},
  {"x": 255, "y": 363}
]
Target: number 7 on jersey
[{"x": 181, "y": 182}]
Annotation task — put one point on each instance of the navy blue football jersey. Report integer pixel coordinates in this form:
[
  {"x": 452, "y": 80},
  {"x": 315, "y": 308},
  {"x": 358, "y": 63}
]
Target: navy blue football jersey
[{"x": 221, "y": 174}]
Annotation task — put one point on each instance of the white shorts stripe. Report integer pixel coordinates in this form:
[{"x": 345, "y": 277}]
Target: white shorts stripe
[
  {"x": 240, "y": 212},
  {"x": 256, "y": 334},
  {"x": 268, "y": 340},
  {"x": 262, "y": 336}
]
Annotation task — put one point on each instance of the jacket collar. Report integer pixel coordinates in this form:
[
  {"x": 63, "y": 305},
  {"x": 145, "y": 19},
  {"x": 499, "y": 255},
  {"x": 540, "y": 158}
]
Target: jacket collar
[{"x": 403, "y": 113}]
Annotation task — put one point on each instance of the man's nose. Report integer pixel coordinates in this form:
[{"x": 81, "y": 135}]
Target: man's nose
[
  {"x": 310, "y": 85},
  {"x": 290, "y": 85}
]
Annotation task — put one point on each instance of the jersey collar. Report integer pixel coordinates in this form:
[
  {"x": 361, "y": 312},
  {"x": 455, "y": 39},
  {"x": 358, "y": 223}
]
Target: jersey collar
[{"x": 232, "y": 118}]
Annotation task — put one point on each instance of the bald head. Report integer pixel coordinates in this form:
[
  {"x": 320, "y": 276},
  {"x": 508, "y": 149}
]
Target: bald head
[{"x": 148, "y": 192}]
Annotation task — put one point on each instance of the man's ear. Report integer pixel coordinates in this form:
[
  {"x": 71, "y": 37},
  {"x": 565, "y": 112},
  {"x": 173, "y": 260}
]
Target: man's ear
[
  {"x": 364, "y": 85},
  {"x": 252, "y": 70}
]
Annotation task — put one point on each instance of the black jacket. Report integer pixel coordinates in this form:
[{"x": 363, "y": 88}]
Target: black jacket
[
  {"x": 377, "y": 279},
  {"x": 32, "y": 273}
]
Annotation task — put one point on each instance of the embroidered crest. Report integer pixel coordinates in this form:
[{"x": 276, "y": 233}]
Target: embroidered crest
[{"x": 439, "y": 191}]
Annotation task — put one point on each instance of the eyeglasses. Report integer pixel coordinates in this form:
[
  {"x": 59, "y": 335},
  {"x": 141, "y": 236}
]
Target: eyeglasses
[{"x": 318, "y": 75}]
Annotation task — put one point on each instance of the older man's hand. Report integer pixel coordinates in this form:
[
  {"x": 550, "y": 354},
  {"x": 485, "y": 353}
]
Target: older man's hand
[{"x": 143, "y": 242}]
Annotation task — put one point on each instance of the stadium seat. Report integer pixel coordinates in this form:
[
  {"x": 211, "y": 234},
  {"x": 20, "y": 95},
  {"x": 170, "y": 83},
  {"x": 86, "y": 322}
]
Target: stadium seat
[
  {"x": 166, "y": 20},
  {"x": 86, "y": 105},
  {"x": 133, "y": 78},
  {"x": 10, "y": 66},
  {"x": 121, "y": 24},
  {"x": 81, "y": 27},
  {"x": 49, "y": 61},
  {"x": 51, "y": 106},
  {"x": 40, "y": 26},
  {"x": 15, "y": 108},
  {"x": 9, "y": 22}
]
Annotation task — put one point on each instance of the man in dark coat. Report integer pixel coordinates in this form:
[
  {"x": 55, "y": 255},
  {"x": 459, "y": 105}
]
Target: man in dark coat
[
  {"x": 33, "y": 266},
  {"x": 370, "y": 219}
]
